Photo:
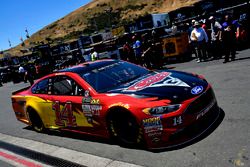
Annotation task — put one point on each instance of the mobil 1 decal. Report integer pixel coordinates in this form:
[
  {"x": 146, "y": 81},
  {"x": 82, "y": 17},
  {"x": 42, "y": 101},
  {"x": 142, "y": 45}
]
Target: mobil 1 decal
[{"x": 157, "y": 80}]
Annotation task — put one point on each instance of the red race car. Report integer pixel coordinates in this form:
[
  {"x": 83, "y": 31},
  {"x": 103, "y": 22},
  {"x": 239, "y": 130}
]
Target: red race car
[{"x": 120, "y": 100}]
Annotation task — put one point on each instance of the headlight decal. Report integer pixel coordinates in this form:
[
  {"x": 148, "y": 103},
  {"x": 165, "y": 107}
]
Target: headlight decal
[{"x": 162, "y": 109}]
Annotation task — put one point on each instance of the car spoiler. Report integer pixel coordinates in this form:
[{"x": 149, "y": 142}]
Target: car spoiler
[{"x": 20, "y": 90}]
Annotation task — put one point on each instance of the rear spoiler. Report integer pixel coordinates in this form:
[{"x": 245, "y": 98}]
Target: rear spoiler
[{"x": 20, "y": 90}]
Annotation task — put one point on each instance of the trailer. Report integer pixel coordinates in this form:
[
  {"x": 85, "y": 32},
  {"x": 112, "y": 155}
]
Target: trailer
[{"x": 176, "y": 46}]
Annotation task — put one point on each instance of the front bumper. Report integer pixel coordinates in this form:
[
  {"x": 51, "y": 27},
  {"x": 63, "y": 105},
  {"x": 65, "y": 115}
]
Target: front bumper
[
  {"x": 197, "y": 116},
  {"x": 170, "y": 138}
]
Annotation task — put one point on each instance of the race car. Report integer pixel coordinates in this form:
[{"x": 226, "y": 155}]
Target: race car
[{"x": 119, "y": 100}]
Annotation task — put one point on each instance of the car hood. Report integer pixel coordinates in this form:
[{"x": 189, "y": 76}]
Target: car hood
[{"x": 172, "y": 85}]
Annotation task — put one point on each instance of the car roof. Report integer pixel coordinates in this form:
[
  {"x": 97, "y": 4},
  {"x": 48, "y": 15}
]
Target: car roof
[{"x": 88, "y": 66}]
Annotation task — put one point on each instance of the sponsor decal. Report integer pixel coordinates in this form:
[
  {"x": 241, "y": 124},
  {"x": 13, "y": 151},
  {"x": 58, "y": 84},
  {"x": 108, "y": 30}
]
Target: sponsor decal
[
  {"x": 156, "y": 140},
  {"x": 170, "y": 81},
  {"x": 86, "y": 100},
  {"x": 86, "y": 93},
  {"x": 152, "y": 124},
  {"x": 151, "y": 121},
  {"x": 201, "y": 114},
  {"x": 95, "y": 101},
  {"x": 112, "y": 94},
  {"x": 197, "y": 90},
  {"x": 157, "y": 80},
  {"x": 120, "y": 104},
  {"x": 91, "y": 110},
  {"x": 148, "y": 81},
  {"x": 90, "y": 120},
  {"x": 154, "y": 134},
  {"x": 90, "y": 107}
]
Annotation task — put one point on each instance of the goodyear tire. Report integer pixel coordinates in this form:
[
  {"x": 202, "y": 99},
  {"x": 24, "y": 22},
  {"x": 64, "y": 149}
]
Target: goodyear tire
[
  {"x": 36, "y": 122},
  {"x": 124, "y": 128}
]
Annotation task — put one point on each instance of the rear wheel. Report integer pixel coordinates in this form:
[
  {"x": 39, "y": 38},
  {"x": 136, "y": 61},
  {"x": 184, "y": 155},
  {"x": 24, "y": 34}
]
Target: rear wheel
[
  {"x": 124, "y": 128},
  {"x": 36, "y": 122}
]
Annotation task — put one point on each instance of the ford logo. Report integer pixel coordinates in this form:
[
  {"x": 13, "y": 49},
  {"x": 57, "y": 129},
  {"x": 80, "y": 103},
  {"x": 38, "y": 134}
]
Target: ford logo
[{"x": 197, "y": 90}]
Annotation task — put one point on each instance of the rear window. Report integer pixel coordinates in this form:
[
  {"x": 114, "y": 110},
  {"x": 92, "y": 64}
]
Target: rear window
[{"x": 41, "y": 87}]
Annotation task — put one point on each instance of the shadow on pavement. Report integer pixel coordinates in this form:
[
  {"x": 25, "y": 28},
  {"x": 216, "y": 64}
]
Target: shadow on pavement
[
  {"x": 193, "y": 133},
  {"x": 243, "y": 58},
  {"x": 74, "y": 135}
]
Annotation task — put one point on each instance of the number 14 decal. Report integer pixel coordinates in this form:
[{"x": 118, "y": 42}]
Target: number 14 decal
[
  {"x": 177, "y": 121},
  {"x": 65, "y": 116}
]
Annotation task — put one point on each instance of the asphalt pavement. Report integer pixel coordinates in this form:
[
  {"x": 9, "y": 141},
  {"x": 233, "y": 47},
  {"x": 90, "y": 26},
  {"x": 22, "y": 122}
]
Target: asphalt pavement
[
  {"x": 5, "y": 164},
  {"x": 227, "y": 144}
]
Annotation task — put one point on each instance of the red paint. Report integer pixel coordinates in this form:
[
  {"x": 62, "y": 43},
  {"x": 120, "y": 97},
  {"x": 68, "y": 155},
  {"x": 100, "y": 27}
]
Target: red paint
[
  {"x": 96, "y": 124},
  {"x": 19, "y": 160}
]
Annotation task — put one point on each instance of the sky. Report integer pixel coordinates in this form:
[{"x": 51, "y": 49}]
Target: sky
[{"x": 17, "y": 15}]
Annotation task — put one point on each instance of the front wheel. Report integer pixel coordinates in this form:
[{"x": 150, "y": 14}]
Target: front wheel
[
  {"x": 36, "y": 122},
  {"x": 125, "y": 129}
]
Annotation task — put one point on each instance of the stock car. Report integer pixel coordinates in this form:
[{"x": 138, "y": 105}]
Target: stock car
[{"x": 119, "y": 100}]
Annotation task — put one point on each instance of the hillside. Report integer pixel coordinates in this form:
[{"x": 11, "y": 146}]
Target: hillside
[{"x": 97, "y": 15}]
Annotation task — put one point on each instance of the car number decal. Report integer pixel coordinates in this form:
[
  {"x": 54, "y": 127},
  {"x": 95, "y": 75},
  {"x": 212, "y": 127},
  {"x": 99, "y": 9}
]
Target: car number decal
[
  {"x": 177, "y": 120},
  {"x": 65, "y": 116}
]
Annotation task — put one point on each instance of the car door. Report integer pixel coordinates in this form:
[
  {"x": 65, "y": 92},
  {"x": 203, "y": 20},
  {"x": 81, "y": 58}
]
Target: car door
[
  {"x": 67, "y": 98},
  {"x": 40, "y": 100}
]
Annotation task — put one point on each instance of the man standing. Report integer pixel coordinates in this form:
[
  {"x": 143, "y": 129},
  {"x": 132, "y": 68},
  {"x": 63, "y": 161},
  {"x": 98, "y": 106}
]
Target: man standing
[
  {"x": 128, "y": 53},
  {"x": 230, "y": 29},
  {"x": 21, "y": 72},
  {"x": 1, "y": 78},
  {"x": 216, "y": 38},
  {"x": 200, "y": 39},
  {"x": 137, "y": 50}
]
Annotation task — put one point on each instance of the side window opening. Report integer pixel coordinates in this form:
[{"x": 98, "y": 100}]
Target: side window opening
[
  {"x": 41, "y": 87},
  {"x": 63, "y": 85}
]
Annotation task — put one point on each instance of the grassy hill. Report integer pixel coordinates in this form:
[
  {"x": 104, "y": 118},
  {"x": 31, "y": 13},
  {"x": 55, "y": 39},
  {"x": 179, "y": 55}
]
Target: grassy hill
[{"x": 97, "y": 15}]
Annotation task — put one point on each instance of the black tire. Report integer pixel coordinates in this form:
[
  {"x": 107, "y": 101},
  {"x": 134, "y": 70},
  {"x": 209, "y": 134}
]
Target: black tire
[
  {"x": 124, "y": 128},
  {"x": 36, "y": 122}
]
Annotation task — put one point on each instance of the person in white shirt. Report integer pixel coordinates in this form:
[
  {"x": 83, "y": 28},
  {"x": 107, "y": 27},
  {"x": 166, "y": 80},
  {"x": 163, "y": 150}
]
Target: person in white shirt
[
  {"x": 215, "y": 38},
  {"x": 200, "y": 38},
  {"x": 21, "y": 72}
]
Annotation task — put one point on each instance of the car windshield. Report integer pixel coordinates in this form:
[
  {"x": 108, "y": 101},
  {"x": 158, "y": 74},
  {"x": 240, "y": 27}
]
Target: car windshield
[{"x": 113, "y": 75}]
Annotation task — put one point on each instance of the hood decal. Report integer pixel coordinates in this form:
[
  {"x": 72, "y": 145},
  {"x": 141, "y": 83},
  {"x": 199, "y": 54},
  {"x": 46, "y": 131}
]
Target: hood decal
[
  {"x": 157, "y": 80},
  {"x": 170, "y": 81}
]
